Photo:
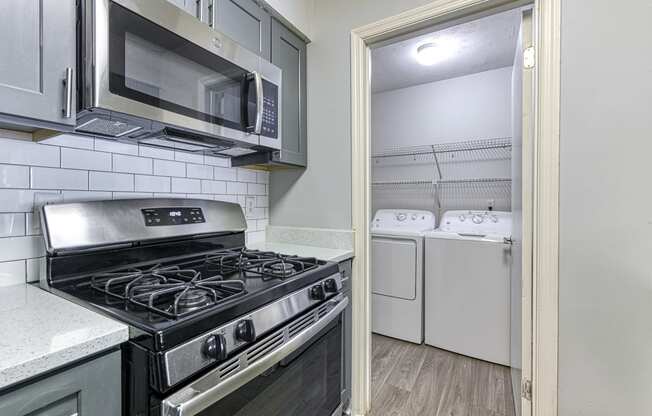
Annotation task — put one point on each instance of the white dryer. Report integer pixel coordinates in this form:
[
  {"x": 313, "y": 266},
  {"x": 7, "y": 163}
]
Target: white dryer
[
  {"x": 397, "y": 272},
  {"x": 467, "y": 285}
]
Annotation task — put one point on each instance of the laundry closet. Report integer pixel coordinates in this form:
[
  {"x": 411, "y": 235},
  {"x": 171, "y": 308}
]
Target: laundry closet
[{"x": 446, "y": 164}]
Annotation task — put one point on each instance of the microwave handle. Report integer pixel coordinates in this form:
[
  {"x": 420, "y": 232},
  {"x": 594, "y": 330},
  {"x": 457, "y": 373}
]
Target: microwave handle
[{"x": 258, "y": 80}]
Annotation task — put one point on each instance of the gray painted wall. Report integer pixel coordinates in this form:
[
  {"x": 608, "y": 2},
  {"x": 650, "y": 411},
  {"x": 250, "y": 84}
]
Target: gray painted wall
[
  {"x": 605, "y": 344},
  {"x": 320, "y": 196}
]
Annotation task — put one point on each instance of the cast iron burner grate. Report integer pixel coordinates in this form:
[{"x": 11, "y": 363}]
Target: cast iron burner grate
[
  {"x": 262, "y": 264},
  {"x": 169, "y": 291}
]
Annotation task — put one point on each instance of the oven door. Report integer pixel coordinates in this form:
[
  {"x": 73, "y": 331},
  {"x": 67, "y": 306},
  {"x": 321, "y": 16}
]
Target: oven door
[
  {"x": 156, "y": 62},
  {"x": 297, "y": 371}
]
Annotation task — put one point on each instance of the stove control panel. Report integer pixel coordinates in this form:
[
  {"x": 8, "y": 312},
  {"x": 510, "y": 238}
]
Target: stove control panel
[{"x": 172, "y": 216}]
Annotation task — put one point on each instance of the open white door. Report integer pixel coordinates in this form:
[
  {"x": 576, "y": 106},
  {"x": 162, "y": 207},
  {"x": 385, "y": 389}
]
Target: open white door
[{"x": 522, "y": 217}]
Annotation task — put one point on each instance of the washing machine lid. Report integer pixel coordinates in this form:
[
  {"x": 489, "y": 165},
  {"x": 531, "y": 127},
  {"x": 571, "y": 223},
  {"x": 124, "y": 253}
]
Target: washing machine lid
[
  {"x": 484, "y": 225},
  {"x": 402, "y": 222}
]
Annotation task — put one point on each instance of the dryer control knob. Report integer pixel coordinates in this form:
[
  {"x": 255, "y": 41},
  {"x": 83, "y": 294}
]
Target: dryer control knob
[
  {"x": 494, "y": 218},
  {"x": 401, "y": 217},
  {"x": 477, "y": 219},
  {"x": 414, "y": 217},
  {"x": 462, "y": 218}
]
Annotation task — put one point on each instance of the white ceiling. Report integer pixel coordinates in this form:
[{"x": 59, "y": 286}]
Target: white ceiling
[{"x": 480, "y": 45}]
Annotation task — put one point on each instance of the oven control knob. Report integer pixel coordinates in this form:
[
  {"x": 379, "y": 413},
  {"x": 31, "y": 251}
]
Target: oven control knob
[
  {"x": 215, "y": 347},
  {"x": 245, "y": 331},
  {"x": 330, "y": 286},
  {"x": 317, "y": 292}
]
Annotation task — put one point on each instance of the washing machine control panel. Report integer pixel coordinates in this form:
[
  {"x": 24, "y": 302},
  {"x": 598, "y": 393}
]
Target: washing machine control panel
[
  {"x": 413, "y": 220},
  {"x": 477, "y": 222}
]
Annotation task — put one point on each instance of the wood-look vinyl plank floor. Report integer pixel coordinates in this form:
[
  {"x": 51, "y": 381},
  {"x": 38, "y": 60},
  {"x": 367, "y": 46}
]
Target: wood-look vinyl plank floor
[{"x": 419, "y": 380}]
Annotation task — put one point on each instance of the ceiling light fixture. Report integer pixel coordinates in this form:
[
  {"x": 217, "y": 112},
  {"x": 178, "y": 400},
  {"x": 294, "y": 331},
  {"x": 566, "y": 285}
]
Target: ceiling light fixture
[{"x": 432, "y": 52}]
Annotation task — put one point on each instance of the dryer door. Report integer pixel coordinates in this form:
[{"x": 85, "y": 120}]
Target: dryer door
[{"x": 394, "y": 267}]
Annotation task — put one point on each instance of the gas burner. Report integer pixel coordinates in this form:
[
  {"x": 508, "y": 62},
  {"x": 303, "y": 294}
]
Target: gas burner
[
  {"x": 280, "y": 267},
  {"x": 193, "y": 299}
]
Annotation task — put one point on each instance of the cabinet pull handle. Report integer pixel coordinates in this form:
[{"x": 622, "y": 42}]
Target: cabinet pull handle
[
  {"x": 199, "y": 9},
  {"x": 67, "y": 91},
  {"x": 210, "y": 13}
]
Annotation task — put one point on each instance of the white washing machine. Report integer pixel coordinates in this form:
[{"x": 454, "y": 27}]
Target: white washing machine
[
  {"x": 467, "y": 285},
  {"x": 397, "y": 272}
]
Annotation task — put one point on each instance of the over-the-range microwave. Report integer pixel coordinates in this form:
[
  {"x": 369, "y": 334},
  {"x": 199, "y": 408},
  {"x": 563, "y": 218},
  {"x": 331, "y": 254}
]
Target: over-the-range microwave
[{"x": 152, "y": 73}]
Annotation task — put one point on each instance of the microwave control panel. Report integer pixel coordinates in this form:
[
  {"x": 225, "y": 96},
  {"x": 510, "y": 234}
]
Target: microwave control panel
[
  {"x": 172, "y": 216},
  {"x": 270, "y": 110}
]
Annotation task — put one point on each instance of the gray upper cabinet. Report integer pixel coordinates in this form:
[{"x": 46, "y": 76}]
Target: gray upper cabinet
[
  {"x": 37, "y": 64},
  {"x": 197, "y": 8},
  {"x": 245, "y": 22},
  {"x": 89, "y": 389},
  {"x": 289, "y": 54}
]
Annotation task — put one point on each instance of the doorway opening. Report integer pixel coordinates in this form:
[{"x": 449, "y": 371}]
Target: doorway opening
[{"x": 451, "y": 160}]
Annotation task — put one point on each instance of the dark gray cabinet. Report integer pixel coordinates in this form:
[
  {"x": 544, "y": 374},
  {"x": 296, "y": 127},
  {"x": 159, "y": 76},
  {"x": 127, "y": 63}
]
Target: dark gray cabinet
[
  {"x": 289, "y": 53},
  {"x": 245, "y": 22},
  {"x": 89, "y": 389},
  {"x": 37, "y": 62}
]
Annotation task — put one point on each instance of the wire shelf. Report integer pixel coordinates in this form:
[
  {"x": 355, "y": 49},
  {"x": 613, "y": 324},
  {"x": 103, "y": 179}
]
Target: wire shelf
[{"x": 473, "y": 150}]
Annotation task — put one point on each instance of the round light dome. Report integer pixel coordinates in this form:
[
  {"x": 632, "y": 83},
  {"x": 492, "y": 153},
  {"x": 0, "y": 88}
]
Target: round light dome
[{"x": 433, "y": 52}]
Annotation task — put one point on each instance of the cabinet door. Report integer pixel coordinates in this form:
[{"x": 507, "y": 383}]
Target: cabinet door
[
  {"x": 245, "y": 22},
  {"x": 37, "y": 52},
  {"x": 89, "y": 389},
  {"x": 289, "y": 54}
]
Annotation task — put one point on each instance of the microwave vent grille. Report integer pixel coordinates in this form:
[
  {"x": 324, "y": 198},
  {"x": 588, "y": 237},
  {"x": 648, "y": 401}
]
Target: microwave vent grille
[{"x": 110, "y": 128}]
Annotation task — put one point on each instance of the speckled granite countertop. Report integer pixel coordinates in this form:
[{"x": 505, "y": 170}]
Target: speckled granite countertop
[
  {"x": 322, "y": 253},
  {"x": 40, "y": 331}
]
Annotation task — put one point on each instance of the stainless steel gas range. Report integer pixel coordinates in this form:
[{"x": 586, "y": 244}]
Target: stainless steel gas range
[{"x": 216, "y": 329}]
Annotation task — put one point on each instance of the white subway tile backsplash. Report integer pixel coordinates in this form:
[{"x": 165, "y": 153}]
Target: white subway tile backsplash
[
  {"x": 262, "y": 177},
  {"x": 12, "y": 273},
  {"x": 213, "y": 187},
  {"x": 262, "y": 201},
  {"x": 189, "y": 157},
  {"x": 168, "y": 168},
  {"x": 16, "y": 200},
  {"x": 53, "y": 178},
  {"x": 85, "y": 159},
  {"x": 12, "y": 176},
  {"x": 18, "y": 152},
  {"x": 35, "y": 267},
  {"x": 199, "y": 171},
  {"x": 104, "y": 181},
  {"x": 70, "y": 168},
  {"x": 71, "y": 140},
  {"x": 132, "y": 164},
  {"x": 236, "y": 188},
  {"x": 224, "y": 174},
  {"x": 189, "y": 186},
  {"x": 12, "y": 225},
  {"x": 146, "y": 183},
  {"x": 256, "y": 189},
  {"x": 78, "y": 196},
  {"x": 19, "y": 248},
  {"x": 132, "y": 195},
  {"x": 217, "y": 161},
  {"x": 246, "y": 175},
  {"x": 156, "y": 153},
  {"x": 32, "y": 224},
  {"x": 113, "y": 146}
]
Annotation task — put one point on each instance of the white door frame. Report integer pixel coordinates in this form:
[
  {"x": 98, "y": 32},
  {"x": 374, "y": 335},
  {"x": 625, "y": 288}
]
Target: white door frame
[{"x": 545, "y": 225}]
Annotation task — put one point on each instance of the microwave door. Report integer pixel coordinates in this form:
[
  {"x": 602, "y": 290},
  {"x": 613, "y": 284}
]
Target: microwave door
[{"x": 160, "y": 64}]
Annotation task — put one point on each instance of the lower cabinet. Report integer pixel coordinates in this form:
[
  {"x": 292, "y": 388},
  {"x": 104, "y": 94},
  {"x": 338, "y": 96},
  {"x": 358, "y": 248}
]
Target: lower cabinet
[{"x": 89, "y": 389}]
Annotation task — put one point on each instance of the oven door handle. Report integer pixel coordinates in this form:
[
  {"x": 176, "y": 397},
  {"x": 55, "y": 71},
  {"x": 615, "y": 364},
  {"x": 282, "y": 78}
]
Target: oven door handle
[{"x": 209, "y": 389}]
